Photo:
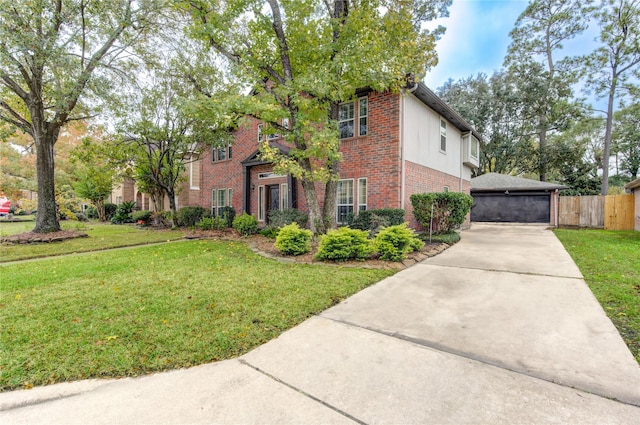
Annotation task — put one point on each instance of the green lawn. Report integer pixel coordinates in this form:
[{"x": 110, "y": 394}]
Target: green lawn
[
  {"x": 151, "y": 308},
  {"x": 610, "y": 263},
  {"x": 101, "y": 236}
]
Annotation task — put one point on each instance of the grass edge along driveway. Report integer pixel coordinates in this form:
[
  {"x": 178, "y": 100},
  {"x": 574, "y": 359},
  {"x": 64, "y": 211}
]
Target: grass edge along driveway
[
  {"x": 610, "y": 263},
  {"x": 153, "y": 308}
]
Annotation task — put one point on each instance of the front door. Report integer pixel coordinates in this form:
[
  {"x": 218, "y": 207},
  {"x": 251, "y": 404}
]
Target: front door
[{"x": 273, "y": 199}]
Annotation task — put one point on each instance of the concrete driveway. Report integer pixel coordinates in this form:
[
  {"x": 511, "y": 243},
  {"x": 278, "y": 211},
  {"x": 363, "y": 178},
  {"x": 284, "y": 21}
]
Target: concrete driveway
[{"x": 498, "y": 329}]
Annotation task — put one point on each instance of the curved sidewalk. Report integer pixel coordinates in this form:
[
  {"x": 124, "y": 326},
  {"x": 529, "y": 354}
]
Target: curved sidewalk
[{"x": 498, "y": 329}]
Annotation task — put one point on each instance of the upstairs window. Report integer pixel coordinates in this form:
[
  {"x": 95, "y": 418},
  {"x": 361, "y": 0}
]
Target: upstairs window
[
  {"x": 221, "y": 154},
  {"x": 474, "y": 148},
  {"x": 443, "y": 135},
  {"x": 346, "y": 120},
  {"x": 363, "y": 117}
]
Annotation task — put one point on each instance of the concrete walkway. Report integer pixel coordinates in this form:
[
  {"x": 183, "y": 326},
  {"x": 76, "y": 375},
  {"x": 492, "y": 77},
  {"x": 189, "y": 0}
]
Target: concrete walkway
[{"x": 499, "y": 329}]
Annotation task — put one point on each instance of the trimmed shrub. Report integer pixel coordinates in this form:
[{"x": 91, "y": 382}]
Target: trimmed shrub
[
  {"x": 142, "y": 215},
  {"x": 449, "y": 210},
  {"x": 280, "y": 218},
  {"x": 292, "y": 240},
  {"x": 109, "y": 210},
  {"x": 189, "y": 216},
  {"x": 395, "y": 242},
  {"x": 212, "y": 223},
  {"x": 344, "y": 244},
  {"x": 245, "y": 224},
  {"x": 228, "y": 214},
  {"x": 373, "y": 219}
]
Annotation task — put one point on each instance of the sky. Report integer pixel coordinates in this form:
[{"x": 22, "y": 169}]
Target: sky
[{"x": 477, "y": 38}]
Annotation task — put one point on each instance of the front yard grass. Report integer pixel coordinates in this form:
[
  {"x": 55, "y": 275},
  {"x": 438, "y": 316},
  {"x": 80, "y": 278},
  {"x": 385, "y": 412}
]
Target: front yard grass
[
  {"x": 101, "y": 236},
  {"x": 610, "y": 263},
  {"x": 152, "y": 308}
]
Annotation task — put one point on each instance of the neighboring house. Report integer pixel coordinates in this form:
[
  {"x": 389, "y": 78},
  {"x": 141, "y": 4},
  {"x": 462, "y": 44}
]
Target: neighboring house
[
  {"x": 502, "y": 198},
  {"x": 634, "y": 188},
  {"x": 189, "y": 193},
  {"x": 393, "y": 146}
]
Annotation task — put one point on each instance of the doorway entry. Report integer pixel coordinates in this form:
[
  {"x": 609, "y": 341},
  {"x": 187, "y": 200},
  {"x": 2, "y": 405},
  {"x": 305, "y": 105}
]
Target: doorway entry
[{"x": 273, "y": 199}]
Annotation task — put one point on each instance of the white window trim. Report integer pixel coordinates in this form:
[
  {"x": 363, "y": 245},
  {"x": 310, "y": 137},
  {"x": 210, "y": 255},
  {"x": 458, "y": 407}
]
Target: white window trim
[
  {"x": 474, "y": 142},
  {"x": 260, "y": 134},
  {"x": 351, "y": 119},
  {"x": 260, "y": 203},
  {"x": 443, "y": 132},
  {"x": 360, "y": 116},
  {"x": 366, "y": 195},
  {"x": 353, "y": 201}
]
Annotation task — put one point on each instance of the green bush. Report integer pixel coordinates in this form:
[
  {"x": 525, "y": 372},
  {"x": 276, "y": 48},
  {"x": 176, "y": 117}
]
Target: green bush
[
  {"x": 280, "y": 218},
  {"x": 142, "y": 215},
  {"x": 189, "y": 216},
  {"x": 373, "y": 219},
  {"x": 344, "y": 244},
  {"x": 245, "y": 224},
  {"x": 449, "y": 210},
  {"x": 212, "y": 223},
  {"x": 124, "y": 213},
  {"x": 228, "y": 214},
  {"x": 109, "y": 210},
  {"x": 395, "y": 242},
  {"x": 270, "y": 232},
  {"x": 91, "y": 212},
  {"x": 292, "y": 240}
]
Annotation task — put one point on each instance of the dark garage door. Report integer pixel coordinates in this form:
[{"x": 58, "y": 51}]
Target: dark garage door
[{"x": 516, "y": 207}]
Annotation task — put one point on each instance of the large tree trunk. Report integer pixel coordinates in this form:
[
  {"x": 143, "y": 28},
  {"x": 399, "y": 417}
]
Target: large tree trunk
[
  {"x": 172, "y": 206},
  {"x": 542, "y": 152},
  {"x": 47, "y": 217},
  {"x": 316, "y": 222},
  {"x": 607, "y": 141}
]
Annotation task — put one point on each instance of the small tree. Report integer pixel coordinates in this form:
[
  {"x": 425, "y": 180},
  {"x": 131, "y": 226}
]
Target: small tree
[{"x": 95, "y": 176}]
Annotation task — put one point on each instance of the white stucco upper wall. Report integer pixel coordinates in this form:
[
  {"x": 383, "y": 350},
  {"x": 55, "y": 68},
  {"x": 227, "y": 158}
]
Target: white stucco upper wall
[{"x": 421, "y": 134}]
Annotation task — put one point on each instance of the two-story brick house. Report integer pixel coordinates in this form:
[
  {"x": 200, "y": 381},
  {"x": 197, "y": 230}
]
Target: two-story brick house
[{"x": 393, "y": 145}]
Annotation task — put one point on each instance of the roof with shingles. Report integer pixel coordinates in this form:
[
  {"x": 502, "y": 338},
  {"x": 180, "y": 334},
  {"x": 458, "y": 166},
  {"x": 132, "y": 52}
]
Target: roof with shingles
[{"x": 495, "y": 181}]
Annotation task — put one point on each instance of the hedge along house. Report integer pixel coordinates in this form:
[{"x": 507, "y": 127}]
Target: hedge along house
[
  {"x": 393, "y": 145},
  {"x": 508, "y": 199}
]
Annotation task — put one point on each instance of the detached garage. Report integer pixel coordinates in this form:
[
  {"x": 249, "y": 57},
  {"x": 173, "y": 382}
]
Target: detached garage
[{"x": 508, "y": 199}]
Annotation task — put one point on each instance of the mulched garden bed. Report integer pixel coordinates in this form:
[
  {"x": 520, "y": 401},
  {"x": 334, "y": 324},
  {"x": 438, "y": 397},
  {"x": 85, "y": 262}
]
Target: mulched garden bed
[{"x": 32, "y": 237}]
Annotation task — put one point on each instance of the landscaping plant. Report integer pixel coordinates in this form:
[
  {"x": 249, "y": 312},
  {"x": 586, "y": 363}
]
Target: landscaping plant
[
  {"x": 345, "y": 244},
  {"x": 449, "y": 210},
  {"x": 292, "y": 240},
  {"x": 395, "y": 242},
  {"x": 245, "y": 224}
]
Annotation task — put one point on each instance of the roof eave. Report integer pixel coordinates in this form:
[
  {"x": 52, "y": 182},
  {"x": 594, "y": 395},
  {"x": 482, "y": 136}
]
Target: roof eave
[{"x": 429, "y": 98}]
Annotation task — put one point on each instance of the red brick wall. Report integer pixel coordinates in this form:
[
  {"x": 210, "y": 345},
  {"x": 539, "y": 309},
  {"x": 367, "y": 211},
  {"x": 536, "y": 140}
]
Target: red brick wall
[
  {"x": 227, "y": 174},
  {"x": 421, "y": 179}
]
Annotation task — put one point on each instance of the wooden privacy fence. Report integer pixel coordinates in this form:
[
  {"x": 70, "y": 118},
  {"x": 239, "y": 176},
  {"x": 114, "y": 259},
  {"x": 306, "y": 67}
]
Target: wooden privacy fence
[{"x": 611, "y": 212}]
